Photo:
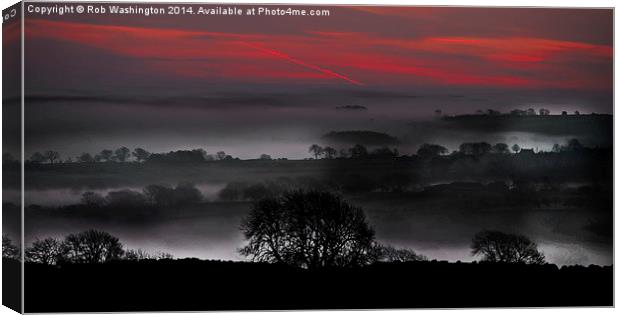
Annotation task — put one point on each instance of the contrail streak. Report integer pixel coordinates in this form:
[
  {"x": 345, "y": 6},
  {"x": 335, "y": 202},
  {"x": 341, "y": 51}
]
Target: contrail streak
[{"x": 302, "y": 63}]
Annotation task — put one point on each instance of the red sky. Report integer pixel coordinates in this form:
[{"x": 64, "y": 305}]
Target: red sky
[{"x": 355, "y": 46}]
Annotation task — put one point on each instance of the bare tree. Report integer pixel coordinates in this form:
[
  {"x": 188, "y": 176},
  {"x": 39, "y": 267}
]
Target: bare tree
[
  {"x": 9, "y": 250},
  {"x": 392, "y": 254},
  {"x": 497, "y": 246},
  {"x": 92, "y": 246},
  {"x": 309, "y": 230},
  {"x": 316, "y": 150},
  {"x": 140, "y": 254},
  {"x": 51, "y": 156},
  {"x": 48, "y": 251}
]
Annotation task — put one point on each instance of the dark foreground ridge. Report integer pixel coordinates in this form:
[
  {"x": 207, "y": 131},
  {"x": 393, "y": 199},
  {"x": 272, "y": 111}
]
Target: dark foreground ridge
[{"x": 192, "y": 285}]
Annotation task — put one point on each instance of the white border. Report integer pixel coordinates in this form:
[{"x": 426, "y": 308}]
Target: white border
[{"x": 511, "y": 3}]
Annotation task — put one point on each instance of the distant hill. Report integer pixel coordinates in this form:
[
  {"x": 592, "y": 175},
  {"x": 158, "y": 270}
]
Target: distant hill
[{"x": 364, "y": 137}]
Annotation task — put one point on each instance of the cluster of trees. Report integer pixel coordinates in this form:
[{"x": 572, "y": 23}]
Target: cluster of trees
[
  {"x": 347, "y": 183},
  {"x": 514, "y": 112},
  {"x": 430, "y": 150},
  {"x": 426, "y": 150},
  {"x": 357, "y": 151},
  {"x": 314, "y": 229},
  {"x": 301, "y": 228},
  {"x": 151, "y": 196},
  {"x": 9, "y": 250},
  {"x": 87, "y": 247},
  {"x": 124, "y": 154}
]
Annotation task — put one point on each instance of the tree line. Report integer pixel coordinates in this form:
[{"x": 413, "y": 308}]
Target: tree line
[
  {"x": 426, "y": 150},
  {"x": 301, "y": 228},
  {"x": 314, "y": 229},
  {"x": 430, "y": 150},
  {"x": 87, "y": 247},
  {"x": 515, "y": 112},
  {"x": 124, "y": 154},
  {"x": 151, "y": 196}
]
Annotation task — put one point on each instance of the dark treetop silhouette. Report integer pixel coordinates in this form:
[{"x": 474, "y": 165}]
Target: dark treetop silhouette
[
  {"x": 308, "y": 229},
  {"x": 495, "y": 246}
]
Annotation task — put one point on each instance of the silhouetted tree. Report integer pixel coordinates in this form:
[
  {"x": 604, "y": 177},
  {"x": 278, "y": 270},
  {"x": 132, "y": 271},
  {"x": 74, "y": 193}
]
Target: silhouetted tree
[
  {"x": 104, "y": 156},
  {"x": 179, "y": 156},
  {"x": 265, "y": 157},
  {"x": 86, "y": 158},
  {"x": 37, "y": 158},
  {"x": 543, "y": 112},
  {"x": 51, "y": 156},
  {"x": 140, "y": 254},
  {"x": 92, "y": 246},
  {"x": 221, "y": 155},
  {"x": 9, "y": 250},
  {"x": 121, "y": 154},
  {"x": 495, "y": 246},
  {"x": 475, "y": 148},
  {"x": 316, "y": 150},
  {"x": 556, "y": 148},
  {"x": 385, "y": 152},
  {"x": 427, "y": 150},
  {"x": 187, "y": 193},
  {"x": 518, "y": 112},
  {"x": 391, "y": 254},
  {"x": 201, "y": 151},
  {"x": 564, "y": 113},
  {"x": 92, "y": 200},
  {"x": 308, "y": 229},
  {"x": 330, "y": 152},
  {"x": 159, "y": 195},
  {"x": 531, "y": 112},
  {"x": 500, "y": 148},
  {"x": 577, "y": 113},
  {"x": 141, "y": 154},
  {"x": 516, "y": 148},
  {"x": 233, "y": 191},
  {"x": 125, "y": 199},
  {"x": 358, "y": 151},
  {"x": 48, "y": 251}
]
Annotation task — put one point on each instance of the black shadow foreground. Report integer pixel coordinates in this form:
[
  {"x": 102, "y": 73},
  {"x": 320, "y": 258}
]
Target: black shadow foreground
[{"x": 193, "y": 285}]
